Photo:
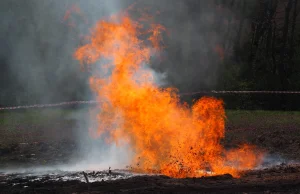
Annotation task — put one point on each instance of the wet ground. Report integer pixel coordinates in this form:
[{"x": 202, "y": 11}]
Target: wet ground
[
  {"x": 279, "y": 179},
  {"x": 28, "y": 148}
]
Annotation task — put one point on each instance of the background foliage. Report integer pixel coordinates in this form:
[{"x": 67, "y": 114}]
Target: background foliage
[{"x": 243, "y": 45}]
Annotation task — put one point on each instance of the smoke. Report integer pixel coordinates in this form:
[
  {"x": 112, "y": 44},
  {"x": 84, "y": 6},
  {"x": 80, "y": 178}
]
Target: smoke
[
  {"x": 38, "y": 40},
  {"x": 37, "y": 45},
  {"x": 196, "y": 43},
  {"x": 39, "y": 57}
]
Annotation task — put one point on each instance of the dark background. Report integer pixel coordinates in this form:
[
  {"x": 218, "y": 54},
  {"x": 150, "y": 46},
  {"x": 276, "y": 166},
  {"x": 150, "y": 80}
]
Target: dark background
[{"x": 213, "y": 45}]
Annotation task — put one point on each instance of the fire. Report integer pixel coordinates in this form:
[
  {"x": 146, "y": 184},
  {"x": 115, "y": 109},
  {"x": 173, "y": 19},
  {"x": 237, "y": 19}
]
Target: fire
[
  {"x": 165, "y": 135},
  {"x": 76, "y": 11},
  {"x": 220, "y": 51}
]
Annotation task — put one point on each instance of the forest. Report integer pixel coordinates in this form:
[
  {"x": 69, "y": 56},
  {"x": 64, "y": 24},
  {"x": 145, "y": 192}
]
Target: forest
[{"x": 237, "y": 45}]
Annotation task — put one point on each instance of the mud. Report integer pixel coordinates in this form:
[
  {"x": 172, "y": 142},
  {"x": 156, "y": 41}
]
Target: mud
[
  {"x": 46, "y": 146},
  {"x": 279, "y": 179}
]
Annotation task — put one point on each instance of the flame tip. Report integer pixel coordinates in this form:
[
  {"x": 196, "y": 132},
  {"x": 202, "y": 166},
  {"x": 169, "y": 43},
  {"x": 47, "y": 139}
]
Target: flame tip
[{"x": 152, "y": 120}]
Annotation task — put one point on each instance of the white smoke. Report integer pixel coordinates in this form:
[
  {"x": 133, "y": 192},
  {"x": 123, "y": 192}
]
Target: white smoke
[{"x": 41, "y": 59}]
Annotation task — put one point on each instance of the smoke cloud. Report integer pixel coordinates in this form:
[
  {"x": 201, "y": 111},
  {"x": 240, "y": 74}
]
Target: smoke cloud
[{"x": 38, "y": 39}]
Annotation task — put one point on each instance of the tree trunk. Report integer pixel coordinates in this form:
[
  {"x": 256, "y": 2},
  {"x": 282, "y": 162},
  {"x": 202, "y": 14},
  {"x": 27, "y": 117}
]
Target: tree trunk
[
  {"x": 273, "y": 54},
  {"x": 294, "y": 19},
  {"x": 282, "y": 65},
  {"x": 282, "y": 60},
  {"x": 241, "y": 26}
]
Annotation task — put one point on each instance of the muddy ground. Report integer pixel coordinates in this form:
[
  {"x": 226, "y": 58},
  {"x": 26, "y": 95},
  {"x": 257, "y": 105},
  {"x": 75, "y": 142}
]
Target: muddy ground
[
  {"x": 280, "y": 179},
  {"x": 42, "y": 139}
]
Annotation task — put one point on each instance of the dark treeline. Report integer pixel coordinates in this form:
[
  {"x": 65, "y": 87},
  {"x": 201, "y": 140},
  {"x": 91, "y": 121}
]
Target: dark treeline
[
  {"x": 214, "y": 45},
  {"x": 259, "y": 51},
  {"x": 268, "y": 58}
]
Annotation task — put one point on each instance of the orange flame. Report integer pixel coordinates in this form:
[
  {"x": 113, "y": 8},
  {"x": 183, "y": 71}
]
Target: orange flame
[
  {"x": 220, "y": 51},
  {"x": 73, "y": 10},
  {"x": 165, "y": 136}
]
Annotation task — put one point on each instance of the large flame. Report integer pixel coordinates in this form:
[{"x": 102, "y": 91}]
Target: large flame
[{"x": 165, "y": 135}]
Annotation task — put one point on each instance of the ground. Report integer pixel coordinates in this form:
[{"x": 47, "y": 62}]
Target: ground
[{"x": 43, "y": 137}]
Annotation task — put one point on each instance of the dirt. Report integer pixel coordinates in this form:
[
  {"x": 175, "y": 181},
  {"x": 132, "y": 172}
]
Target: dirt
[
  {"x": 53, "y": 144},
  {"x": 279, "y": 179},
  {"x": 280, "y": 140}
]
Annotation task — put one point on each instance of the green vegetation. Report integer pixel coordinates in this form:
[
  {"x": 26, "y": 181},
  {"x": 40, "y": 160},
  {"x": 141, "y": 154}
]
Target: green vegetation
[
  {"x": 267, "y": 129},
  {"x": 237, "y": 118},
  {"x": 33, "y": 116},
  {"x": 260, "y": 118},
  {"x": 34, "y": 125},
  {"x": 226, "y": 45}
]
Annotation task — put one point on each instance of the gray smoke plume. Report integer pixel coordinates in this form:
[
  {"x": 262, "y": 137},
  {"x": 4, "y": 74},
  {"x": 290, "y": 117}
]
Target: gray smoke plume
[{"x": 38, "y": 39}]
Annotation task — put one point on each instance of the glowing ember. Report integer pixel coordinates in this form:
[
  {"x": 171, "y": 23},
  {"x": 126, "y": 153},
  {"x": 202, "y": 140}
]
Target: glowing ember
[{"x": 165, "y": 136}]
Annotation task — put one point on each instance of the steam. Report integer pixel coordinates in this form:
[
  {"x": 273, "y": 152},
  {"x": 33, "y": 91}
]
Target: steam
[
  {"x": 37, "y": 45},
  {"x": 37, "y": 52}
]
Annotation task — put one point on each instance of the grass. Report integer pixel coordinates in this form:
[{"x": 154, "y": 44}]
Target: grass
[
  {"x": 265, "y": 128},
  {"x": 260, "y": 118},
  {"x": 237, "y": 118},
  {"x": 33, "y": 124},
  {"x": 19, "y": 126},
  {"x": 34, "y": 116}
]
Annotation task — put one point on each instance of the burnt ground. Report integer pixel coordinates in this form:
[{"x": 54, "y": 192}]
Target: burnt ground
[{"x": 38, "y": 139}]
